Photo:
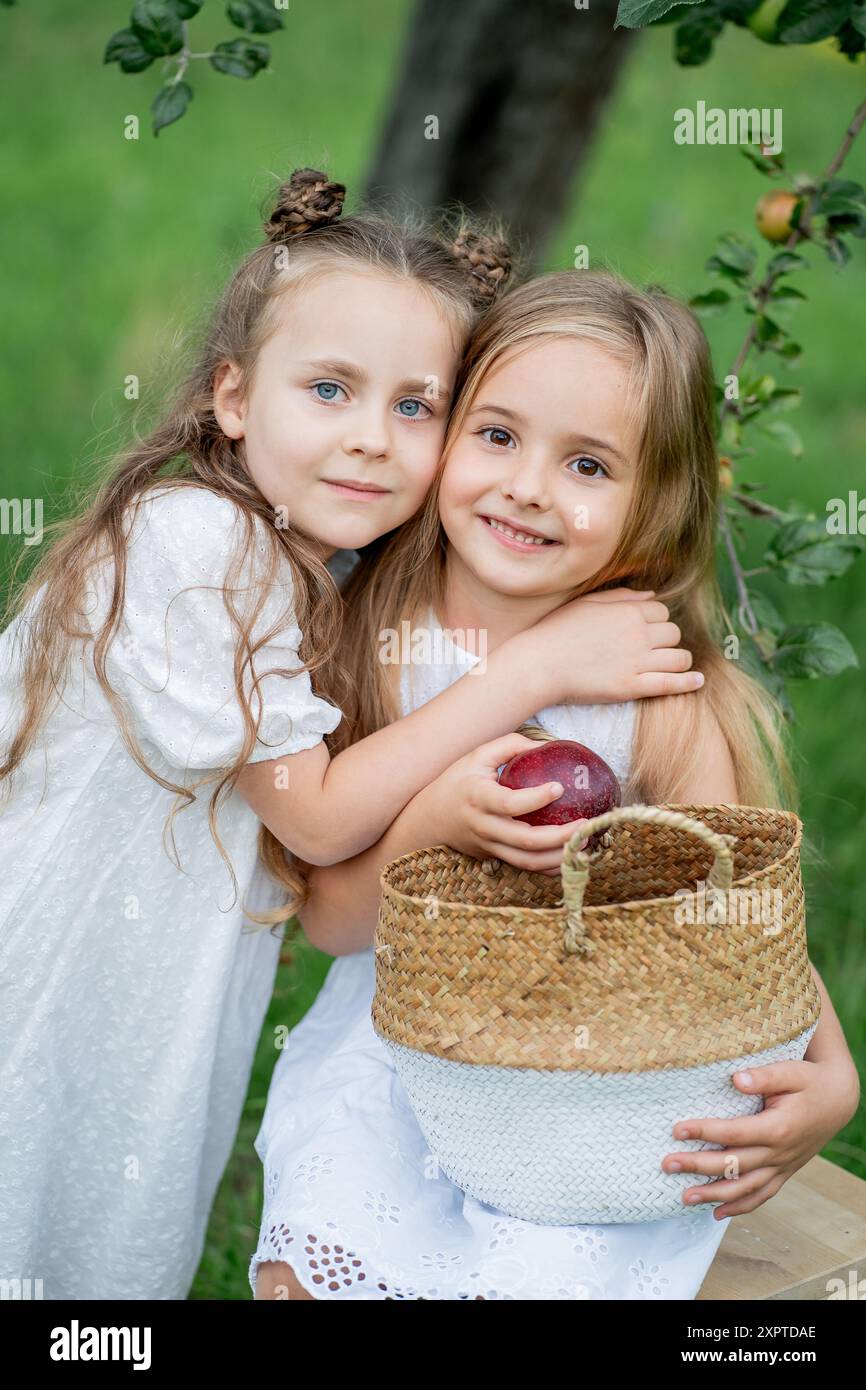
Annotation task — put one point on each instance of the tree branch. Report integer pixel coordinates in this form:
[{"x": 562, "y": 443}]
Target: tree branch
[{"x": 762, "y": 294}]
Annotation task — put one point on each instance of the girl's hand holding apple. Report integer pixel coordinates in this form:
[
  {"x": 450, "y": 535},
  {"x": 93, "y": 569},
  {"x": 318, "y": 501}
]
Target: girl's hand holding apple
[{"x": 469, "y": 810}]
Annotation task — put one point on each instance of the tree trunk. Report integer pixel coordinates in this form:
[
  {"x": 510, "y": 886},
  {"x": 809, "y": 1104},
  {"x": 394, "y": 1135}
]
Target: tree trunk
[{"x": 496, "y": 105}]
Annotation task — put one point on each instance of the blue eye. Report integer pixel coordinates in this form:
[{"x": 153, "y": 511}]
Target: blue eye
[
  {"x": 327, "y": 390},
  {"x": 595, "y": 464},
  {"x": 504, "y": 436},
  {"x": 413, "y": 409}
]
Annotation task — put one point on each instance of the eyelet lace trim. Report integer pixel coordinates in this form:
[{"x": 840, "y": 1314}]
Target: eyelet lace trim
[{"x": 325, "y": 1267}]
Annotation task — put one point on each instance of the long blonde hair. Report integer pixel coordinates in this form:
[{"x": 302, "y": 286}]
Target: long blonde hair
[
  {"x": 667, "y": 543},
  {"x": 459, "y": 264}
]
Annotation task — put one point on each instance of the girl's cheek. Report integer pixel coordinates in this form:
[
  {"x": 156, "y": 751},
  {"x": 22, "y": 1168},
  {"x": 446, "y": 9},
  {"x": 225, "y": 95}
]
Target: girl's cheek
[
  {"x": 420, "y": 472},
  {"x": 594, "y": 519},
  {"x": 467, "y": 481}
]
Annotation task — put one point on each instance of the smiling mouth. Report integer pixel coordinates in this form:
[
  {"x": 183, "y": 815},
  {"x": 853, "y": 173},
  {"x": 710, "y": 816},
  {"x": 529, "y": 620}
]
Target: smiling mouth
[
  {"x": 355, "y": 490},
  {"x": 523, "y": 540}
]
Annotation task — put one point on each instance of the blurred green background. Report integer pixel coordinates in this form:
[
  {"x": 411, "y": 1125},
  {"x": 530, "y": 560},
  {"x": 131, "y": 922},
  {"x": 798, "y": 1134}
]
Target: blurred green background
[{"x": 113, "y": 251}]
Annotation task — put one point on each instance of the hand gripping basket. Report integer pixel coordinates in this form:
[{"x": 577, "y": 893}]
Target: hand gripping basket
[{"x": 548, "y": 1042}]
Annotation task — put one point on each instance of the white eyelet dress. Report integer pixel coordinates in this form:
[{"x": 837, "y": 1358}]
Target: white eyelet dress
[
  {"x": 132, "y": 993},
  {"x": 355, "y": 1202}
]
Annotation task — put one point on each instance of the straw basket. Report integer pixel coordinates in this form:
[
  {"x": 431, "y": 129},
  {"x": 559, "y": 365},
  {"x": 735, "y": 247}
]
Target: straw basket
[{"x": 549, "y": 1041}]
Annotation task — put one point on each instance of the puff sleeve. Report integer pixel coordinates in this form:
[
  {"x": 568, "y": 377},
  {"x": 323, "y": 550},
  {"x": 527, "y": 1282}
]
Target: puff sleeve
[{"x": 172, "y": 657}]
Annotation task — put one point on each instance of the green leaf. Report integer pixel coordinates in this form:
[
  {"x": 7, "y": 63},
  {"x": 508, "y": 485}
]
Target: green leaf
[
  {"x": 726, "y": 272},
  {"x": 678, "y": 12},
  {"x": 783, "y": 292},
  {"x": 785, "y": 398},
  {"x": 732, "y": 256},
  {"x": 766, "y": 613},
  {"x": 837, "y": 250},
  {"x": 761, "y": 389},
  {"x": 711, "y": 302},
  {"x": 240, "y": 58},
  {"x": 808, "y": 650},
  {"x": 789, "y": 350},
  {"x": 808, "y": 21},
  {"x": 694, "y": 38},
  {"x": 169, "y": 104},
  {"x": 185, "y": 9},
  {"x": 850, "y": 41},
  {"x": 849, "y": 190},
  {"x": 840, "y": 198},
  {"x": 785, "y": 433},
  {"x": 785, "y": 261},
  {"x": 853, "y": 223},
  {"x": 256, "y": 16},
  {"x": 636, "y": 14},
  {"x": 806, "y": 553},
  {"x": 768, "y": 333},
  {"x": 126, "y": 48},
  {"x": 768, "y": 677},
  {"x": 158, "y": 26},
  {"x": 857, "y": 19}
]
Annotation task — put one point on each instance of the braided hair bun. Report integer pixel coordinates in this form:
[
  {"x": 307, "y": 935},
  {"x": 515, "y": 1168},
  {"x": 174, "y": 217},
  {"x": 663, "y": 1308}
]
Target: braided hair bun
[
  {"x": 308, "y": 200},
  {"x": 486, "y": 259}
]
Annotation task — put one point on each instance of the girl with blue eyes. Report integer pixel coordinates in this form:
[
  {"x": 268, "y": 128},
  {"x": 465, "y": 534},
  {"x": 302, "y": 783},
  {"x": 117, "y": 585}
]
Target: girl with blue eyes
[{"x": 580, "y": 455}]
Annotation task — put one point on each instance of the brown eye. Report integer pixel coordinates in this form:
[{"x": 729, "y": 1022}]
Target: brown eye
[
  {"x": 495, "y": 435},
  {"x": 593, "y": 463}
]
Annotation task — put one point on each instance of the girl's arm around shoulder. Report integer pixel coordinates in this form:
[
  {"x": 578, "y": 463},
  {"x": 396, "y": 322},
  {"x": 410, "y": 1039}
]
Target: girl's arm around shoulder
[{"x": 327, "y": 810}]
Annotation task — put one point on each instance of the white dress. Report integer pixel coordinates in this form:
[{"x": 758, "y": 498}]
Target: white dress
[
  {"x": 354, "y": 1201},
  {"x": 131, "y": 1000}
]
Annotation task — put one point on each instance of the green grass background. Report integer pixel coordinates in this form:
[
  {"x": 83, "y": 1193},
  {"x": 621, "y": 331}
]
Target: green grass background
[{"x": 114, "y": 249}]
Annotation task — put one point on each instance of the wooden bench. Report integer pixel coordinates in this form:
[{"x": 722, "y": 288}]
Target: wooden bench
[{"x": 812, "y": 1231}]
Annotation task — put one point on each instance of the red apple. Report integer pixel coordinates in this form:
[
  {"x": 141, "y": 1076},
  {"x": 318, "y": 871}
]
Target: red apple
[{"x": 590, "y": 786}]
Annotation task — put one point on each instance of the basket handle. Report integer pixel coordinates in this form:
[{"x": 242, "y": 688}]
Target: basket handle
[{"x": 576, "y": 862}]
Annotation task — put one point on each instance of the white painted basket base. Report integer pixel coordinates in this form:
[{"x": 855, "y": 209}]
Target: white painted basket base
[{"x": 565, "y": 1147}]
